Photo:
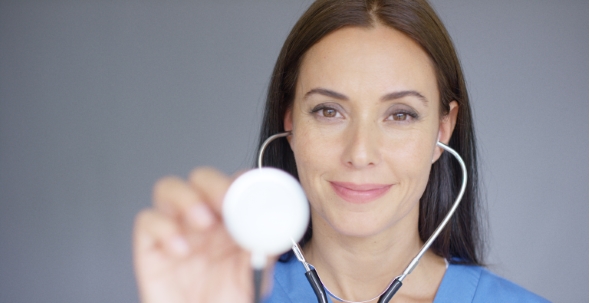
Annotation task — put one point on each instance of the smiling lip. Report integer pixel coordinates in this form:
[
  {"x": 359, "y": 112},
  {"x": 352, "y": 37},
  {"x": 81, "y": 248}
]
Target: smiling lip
[{"x": 359, "y": 193}]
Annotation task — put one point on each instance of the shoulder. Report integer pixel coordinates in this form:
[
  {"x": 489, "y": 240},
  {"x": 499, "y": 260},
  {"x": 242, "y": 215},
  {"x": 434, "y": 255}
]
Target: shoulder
[
  {"x": 502, "y": 289},
  {"x": 468, "y": 283},
  {"x": 290, "y": 283}
]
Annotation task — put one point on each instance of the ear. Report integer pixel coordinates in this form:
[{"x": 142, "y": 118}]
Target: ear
[
  {"x": 445, "y": 128},
  {"x": 288, "y": 122}
]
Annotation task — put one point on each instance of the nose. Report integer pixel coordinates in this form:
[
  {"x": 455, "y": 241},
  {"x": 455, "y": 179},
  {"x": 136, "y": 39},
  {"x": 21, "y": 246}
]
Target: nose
[{"x": 362, "y": 146}]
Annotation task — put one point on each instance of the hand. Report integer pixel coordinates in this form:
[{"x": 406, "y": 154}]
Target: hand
[{"x": 182, "y": 251}]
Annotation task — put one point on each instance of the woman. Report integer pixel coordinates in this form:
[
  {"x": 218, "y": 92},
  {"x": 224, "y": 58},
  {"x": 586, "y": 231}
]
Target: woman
[{"x": 366, "y": 88}]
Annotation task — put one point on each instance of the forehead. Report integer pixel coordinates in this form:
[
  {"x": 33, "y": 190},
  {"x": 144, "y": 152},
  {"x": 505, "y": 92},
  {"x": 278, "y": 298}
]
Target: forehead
[{"x": 376, "y": 60}]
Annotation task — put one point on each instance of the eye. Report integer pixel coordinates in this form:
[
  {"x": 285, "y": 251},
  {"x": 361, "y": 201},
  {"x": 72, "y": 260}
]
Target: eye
[
  {"x": 325, "y": 111},
  {"x": 329, "y": 112},
  {"x": 402, "y": 116},
  {"x": 399, "y": 117}
]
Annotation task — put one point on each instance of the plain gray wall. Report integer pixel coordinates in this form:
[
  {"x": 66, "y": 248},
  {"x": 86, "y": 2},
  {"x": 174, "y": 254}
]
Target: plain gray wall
[{"x": 99, "y": 99}]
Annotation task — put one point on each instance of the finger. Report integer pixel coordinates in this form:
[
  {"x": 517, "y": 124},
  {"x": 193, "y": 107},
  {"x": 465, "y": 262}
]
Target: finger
[
  {"x": 211, "y": 185},
  {"x": 154, "y": 230},
  {"x": 175, "y": 197}
]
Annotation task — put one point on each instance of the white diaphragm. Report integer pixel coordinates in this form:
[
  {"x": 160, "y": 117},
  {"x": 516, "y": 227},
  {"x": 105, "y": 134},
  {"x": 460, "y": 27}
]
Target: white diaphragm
[{"x": 265, "y": 210}]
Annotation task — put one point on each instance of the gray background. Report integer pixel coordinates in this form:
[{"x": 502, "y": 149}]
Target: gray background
[{"x": 99, "y": 99}]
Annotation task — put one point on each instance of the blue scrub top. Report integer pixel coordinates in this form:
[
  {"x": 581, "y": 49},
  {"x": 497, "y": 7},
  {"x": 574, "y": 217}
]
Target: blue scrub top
[{"x": 460, "y": 284}]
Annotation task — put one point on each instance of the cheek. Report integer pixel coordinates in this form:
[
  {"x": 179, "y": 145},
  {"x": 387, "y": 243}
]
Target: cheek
[
  {"x": 414, "y": 149},
  {"x": 410, "y": 160},
  {"x": 316, "y": 152}
]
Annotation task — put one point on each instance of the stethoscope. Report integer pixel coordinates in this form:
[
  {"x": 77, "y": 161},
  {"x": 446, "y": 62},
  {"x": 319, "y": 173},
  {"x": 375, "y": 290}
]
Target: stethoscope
[{"x": 266, "y": 229}]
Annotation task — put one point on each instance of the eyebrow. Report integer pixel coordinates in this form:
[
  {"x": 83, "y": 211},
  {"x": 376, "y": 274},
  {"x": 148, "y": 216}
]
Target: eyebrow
[
  {"x": 326, "y": 92},
  {"x": 388, "y": 97},
  {"x": 404, "y": 93}
]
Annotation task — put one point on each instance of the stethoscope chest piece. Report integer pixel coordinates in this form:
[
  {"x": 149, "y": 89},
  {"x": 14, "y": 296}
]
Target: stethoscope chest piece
[{"x": 264, "y": 210}]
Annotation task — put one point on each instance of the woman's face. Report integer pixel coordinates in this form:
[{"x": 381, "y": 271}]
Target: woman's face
[{"x": 365, "y": 122}]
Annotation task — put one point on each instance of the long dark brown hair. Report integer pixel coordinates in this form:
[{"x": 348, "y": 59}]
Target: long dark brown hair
[{"x": 460, "y": 241}]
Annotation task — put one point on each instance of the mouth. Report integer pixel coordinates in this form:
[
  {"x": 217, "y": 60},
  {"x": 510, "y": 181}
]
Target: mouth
[{"x": 359, "y": 193}]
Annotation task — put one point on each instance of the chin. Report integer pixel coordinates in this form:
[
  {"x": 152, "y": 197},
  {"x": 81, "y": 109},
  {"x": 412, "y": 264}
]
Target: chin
[
  {"x": 366, "y": 221},
  {"x": 359, "y": 225}
]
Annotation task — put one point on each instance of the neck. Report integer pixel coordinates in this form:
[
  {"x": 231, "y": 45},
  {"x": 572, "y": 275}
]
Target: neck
[{"x": 359, "y": 268}]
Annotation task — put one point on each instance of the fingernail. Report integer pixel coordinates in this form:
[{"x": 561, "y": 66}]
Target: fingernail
[
  {"x": 201, "y": 216},
  {"x": 179, "y": 245}
]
